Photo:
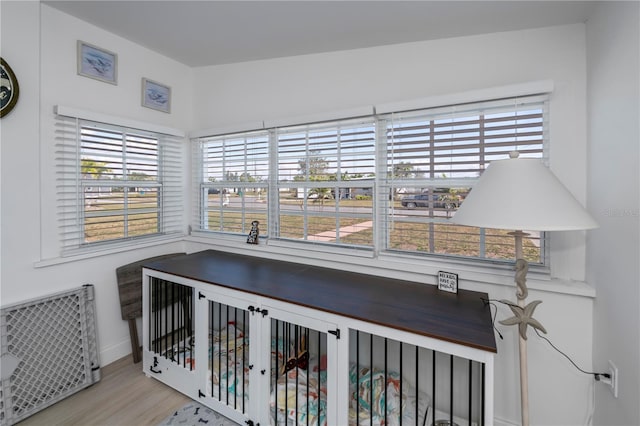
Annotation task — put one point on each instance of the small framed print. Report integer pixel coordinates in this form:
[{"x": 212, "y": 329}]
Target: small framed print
[
  {"x": 97, "y": 63},
  {"x": 156, "y": 96}
]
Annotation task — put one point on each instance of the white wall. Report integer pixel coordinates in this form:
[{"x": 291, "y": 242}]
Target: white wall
[
  {"x": 273, "y": 89},
  {"x": 301, "y": 85},
  {"x": 613, "y": 36},
  {"x": 20, "y": 35},
  {"x": 40, "y": 45},
  {"x": 62, "y": 86}
]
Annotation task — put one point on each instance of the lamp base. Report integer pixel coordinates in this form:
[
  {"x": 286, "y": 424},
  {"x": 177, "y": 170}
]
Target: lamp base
[{"x": 523, "y": 318}]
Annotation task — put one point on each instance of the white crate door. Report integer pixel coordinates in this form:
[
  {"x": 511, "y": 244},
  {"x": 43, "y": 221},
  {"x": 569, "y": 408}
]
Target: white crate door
[
  {"x": 169, "y": 313},
  {"x": 302, "y": 350},
  {"x": 224, "y": 378}
]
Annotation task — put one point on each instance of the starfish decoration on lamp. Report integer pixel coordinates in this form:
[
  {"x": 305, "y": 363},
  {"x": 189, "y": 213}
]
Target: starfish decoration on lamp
[{"x": 523, "y": 317}]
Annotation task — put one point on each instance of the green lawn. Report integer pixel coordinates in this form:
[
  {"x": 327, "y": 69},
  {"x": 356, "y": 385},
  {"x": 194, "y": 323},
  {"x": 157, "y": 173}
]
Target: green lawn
[
  {"x": 99, "y": 227},
  {"x": 404, "y": 236}
]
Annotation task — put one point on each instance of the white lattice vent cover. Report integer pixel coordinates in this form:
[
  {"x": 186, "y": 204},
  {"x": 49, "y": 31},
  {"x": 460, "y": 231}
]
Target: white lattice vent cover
[{"x": 49, "y": 352}]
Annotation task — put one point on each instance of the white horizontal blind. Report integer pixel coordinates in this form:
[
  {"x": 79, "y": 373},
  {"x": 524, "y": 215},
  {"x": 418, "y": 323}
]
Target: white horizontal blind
[
  {"x": 231, "y": 176},
  {"x": 386, "y": 182},
  {"x": 322, "y": 169},
  {"x": 172, "y": 200},
  {"x": 433, "y": 158},
  {"x": 115, "y": 184}
]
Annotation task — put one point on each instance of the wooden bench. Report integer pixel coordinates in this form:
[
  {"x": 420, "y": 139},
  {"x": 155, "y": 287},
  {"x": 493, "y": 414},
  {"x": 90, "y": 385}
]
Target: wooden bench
[{"x": 129, "y": 278}]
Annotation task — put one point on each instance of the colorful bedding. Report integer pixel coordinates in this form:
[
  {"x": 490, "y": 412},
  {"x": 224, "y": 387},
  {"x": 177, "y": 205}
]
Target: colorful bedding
[
  {"x": 369, "y": 398},
  {"x": 304, "y": 386},
  {"x": 228, "y": 362},
  {"x": 307, "y": 389},
  {"x": 229, "y": 365},
  {"x": 371, "y": 387}
]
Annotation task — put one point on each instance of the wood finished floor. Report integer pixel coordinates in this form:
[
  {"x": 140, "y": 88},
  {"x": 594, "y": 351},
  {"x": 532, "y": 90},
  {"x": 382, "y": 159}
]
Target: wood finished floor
[{"x": 123, "y": 397}]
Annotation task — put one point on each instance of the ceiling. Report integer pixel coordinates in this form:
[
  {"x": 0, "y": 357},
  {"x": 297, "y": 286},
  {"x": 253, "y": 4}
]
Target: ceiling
[{"x": 200, "y": 33}]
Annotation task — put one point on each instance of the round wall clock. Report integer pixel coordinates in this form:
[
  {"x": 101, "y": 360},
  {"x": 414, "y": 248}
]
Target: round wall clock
[{"x": 10, "y": 90}]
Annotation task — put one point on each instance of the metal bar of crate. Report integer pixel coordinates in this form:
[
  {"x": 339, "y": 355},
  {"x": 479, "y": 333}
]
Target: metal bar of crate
[
  {"x": 296, "y": 346},
  {"x": 433, "y": 387},
  {"x": 235, "y": 355},
  {"x": 418, "y": 388},
  {"x": 482, "y": 398},
  {"x": 227, "y": 352},
  {"x": 451, "y": 389},
  {"x": 386, "y": 385},
  {"x": 357, "y": 376},
  {"x": 401, "y": 376},
  {"x": 212, "y": 313},
  {"x": 319, "y": 384},
  {"x": 219, "y": 352},
  {"x": 275, "y": 371},
  {"x": 370, "y": 378},
  {"x": 244, "y": 355}
]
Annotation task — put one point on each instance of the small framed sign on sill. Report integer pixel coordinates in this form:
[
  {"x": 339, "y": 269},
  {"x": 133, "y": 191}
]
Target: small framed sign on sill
[{"x": 448, "y": 281}]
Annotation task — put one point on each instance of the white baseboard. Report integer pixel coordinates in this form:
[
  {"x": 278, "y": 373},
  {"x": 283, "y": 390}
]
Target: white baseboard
[
  {"x": 115, "y": 352},
  {"x": 502, "y": 422}
]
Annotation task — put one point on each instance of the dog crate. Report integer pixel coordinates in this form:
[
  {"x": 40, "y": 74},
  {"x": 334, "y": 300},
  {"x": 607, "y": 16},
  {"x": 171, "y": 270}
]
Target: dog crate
[
  {"x": 49, "y": 351},
  {"x": 261, "y": 356}
]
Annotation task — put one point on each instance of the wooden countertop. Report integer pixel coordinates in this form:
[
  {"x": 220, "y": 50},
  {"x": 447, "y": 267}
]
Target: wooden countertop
[{"x": 422, "y": 309}]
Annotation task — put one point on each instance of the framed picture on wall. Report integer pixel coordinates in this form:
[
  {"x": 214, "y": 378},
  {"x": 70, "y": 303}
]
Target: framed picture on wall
[
  {"x": 9, "y": 90},
  {"x": 156, "y": 96},
  {"x": 97, "y": 63}
]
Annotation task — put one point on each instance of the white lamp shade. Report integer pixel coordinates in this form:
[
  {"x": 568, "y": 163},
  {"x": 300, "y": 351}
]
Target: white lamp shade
[{"x": 522, "y": 194}]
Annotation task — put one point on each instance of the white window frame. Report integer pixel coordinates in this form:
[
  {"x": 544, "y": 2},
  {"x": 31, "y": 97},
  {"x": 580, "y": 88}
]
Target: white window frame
[
  {"x": 380, "y": 252},
  {"x": 72, "y": 186},
  {"x": 249, "y": 147},
  {"x": 350, "y": 135},
  {"x": 460, "y": 141}
]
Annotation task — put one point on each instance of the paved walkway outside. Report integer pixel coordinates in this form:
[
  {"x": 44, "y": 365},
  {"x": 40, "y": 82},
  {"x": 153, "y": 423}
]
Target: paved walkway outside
[
  {"x": 344, "y": 231},
  {"x": 347, "y": 230}
]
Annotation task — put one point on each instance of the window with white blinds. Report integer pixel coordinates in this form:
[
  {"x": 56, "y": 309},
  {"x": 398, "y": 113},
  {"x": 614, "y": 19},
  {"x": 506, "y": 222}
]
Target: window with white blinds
[
  {"x": 231, "y": 176},
  {"x": 326, "y": 181},
  {"x": 434, "y": 156},
  {"x": 115, "y": 184},
  {"x": 386, "y": 182}
]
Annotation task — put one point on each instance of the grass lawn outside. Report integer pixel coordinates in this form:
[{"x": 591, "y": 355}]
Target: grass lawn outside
[{"x": 421, "y": 236}]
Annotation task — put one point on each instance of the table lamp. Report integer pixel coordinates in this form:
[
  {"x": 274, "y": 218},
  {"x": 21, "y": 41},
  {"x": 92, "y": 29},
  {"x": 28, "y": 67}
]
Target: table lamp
[{"x": 522, "y": 194}]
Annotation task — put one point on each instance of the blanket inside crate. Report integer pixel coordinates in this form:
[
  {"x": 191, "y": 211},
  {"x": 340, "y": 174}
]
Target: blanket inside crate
[
  {"x": 229, "y": 365},
  {"x": 228, "y": 362},
  {"x": 300, "y": 397},
  {"x": 300, "y": 394},
  {"x": 306, "y": 390},
  {"x": 370, "y": 404}
]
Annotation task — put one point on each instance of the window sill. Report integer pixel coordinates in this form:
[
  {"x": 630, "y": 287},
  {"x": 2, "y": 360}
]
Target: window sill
[
  {"x": 110, "y": 249},
  {"x": 410, "y": 268}
]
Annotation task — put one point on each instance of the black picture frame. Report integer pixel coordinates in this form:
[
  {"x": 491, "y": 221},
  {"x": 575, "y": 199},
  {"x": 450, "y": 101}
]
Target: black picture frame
[{"x": 10, "y": 90}]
